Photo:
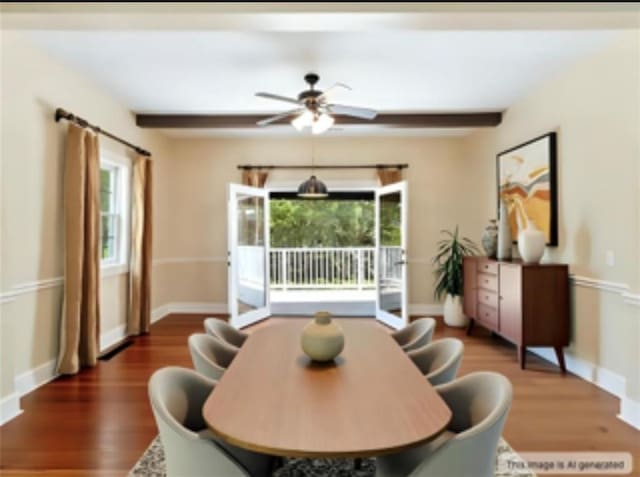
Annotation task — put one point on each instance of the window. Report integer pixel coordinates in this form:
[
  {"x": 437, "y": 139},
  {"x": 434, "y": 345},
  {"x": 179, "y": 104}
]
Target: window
[{"x": 114, "y": 206}]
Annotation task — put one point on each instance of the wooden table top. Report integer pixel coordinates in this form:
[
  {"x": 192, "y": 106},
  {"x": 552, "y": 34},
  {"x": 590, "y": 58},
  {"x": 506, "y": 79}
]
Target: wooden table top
[{"x": 371, "y": 401}]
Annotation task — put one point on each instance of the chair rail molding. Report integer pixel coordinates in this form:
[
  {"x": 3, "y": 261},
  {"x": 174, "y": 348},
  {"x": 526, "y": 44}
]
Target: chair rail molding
[
  {"x": 171, "y": 260},
  {"x": 622, "y": 289}
]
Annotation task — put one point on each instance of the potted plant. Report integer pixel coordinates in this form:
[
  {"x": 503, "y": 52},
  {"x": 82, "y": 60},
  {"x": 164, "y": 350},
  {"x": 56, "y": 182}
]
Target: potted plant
[{"x": 448, "y": 265}]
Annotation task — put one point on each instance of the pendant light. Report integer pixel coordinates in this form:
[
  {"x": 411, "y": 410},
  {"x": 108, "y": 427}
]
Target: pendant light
[{"x": 313, "y": 188}]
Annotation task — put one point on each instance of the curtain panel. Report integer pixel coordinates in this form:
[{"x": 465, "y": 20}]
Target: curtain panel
[
  {"x": 389, "y": 176},
  {"x": 139, "y": 317},
  {"x": 80, "y": 324}
]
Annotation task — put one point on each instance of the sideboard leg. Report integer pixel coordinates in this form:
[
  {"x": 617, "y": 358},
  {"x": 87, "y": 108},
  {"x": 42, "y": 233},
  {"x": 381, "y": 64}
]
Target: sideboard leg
[
  {"x": 560, "y": 356},
  {"x": 357, "y": 464},
  {"x": 522, "y": 356},
  {"x": 470, "y": 326}
]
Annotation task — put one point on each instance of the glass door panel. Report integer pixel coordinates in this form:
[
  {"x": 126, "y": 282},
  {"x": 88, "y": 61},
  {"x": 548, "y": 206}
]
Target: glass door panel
[
  {"x": 248, "y": 252},
  {"x": 391, "y": 269}
]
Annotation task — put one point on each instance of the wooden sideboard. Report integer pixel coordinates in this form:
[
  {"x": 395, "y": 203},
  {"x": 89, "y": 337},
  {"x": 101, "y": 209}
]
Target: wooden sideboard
[{"x": 526, "y": 304}]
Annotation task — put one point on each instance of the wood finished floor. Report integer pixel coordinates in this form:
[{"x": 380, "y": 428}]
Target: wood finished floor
[{"x": 99, "y": 422}]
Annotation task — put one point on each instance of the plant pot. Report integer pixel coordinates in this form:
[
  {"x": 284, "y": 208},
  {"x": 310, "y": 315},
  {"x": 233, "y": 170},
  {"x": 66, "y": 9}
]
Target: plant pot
[
  {"x": 322, "y": 339},
  {"x": 453, "y": 315}
]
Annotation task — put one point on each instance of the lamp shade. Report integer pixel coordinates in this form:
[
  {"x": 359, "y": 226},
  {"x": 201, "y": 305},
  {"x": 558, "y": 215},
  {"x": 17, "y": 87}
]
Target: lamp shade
[{"x": 313, "y": 188}]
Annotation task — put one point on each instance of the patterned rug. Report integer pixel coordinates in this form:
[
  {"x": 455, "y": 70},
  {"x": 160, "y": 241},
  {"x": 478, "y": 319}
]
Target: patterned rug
[{"x": 151, "y": 464}]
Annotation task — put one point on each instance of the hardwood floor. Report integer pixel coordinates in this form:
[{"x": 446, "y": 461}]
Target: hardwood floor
[{"x": 99, "y": 422}]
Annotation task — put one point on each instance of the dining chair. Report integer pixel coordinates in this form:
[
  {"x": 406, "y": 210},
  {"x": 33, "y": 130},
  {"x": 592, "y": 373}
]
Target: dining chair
[
  {"x": 438, "y": 361},
  {"x": 211, "y": 357},
  {"x": 415, "y": 335},
  {"x": 177, "y": 396},
  {"x": 479, "y": 403},
  {"x": 225, "y": 332}
]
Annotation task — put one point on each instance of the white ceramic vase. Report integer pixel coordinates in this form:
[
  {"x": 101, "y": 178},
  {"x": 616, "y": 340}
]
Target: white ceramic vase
[
  {"x": 453, "y": 314},
  {"x": 322, "y": 339},
  {"x": 504, "y": 234},
  {"x": 531, "y": 243}
]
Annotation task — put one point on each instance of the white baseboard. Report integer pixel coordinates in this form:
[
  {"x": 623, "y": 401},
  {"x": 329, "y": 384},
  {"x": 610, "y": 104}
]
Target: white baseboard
[
  {"x": 110, "y": 338},
  {"x": 187, "y": 307},
  {"x": 630, "y": 412},
  {"x": 34, "y": 378},
  {"x": 426, "y": 309},
  {"x": 9, "y": 407},
  {"x": 603, "y": 378}
]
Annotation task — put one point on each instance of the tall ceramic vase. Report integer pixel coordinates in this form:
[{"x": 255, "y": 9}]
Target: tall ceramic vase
[
  {"x": 531, "y": 242},
  {"x": 504, "y": 234}
]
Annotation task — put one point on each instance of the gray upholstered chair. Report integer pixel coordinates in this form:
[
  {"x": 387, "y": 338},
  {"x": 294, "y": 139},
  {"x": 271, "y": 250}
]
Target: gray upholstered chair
[
  {"x": 415, "y": 335},
  {"x": 210, "y": 356},
  {"x": 439, "y": 361},
  {"x": 177, "y": 396},
  {"x": 225, "y": 332},
  {"x": 480, "y": 403}
]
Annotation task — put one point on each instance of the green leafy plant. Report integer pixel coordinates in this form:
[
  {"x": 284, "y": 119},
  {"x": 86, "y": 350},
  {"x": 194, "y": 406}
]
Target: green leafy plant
[{"x": 448, "y": 263}]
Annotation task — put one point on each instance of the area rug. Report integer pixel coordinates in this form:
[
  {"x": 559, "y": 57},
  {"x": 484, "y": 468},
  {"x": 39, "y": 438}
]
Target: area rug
[{"x": 151, "y": 464}]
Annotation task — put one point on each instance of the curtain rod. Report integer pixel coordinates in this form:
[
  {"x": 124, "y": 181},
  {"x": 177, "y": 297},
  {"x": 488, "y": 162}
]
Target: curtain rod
[
  {"x": 363, "y": 166},
  {"x": 62, "y": 114}
]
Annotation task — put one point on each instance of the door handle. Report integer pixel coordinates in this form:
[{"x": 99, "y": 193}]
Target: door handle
[{"x": 401, "y": 262}]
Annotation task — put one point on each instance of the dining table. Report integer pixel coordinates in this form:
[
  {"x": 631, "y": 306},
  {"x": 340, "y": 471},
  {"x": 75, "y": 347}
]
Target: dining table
[{"x": 369, "y": 401}]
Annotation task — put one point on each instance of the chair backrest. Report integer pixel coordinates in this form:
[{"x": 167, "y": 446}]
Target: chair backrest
[
  {"x": 225, "y": 332},
  {"x": 177, "y": 396},
  {"x": 210, "y": 356},
  {"x": 480, "y": 403},
  {"x": 416, "y": 334},
  {"x": 439, "y": 361}
]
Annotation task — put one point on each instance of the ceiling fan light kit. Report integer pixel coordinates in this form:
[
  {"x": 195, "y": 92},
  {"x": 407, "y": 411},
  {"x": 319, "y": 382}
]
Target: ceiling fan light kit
[{"x": 314, "y": 111}]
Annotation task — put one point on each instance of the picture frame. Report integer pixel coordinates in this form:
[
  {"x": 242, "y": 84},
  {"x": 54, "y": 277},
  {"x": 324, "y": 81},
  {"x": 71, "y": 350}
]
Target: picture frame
[{"x": 527, "y": 182}]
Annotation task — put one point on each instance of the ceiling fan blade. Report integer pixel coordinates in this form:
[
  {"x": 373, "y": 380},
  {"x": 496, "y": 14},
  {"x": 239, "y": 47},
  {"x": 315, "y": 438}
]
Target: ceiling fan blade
[
  {"x": 327, "y": 92},
  {"x": 277, "y": 117},
  {"x": 277, "y": 97},
  {"x": 354, "y": 111}
]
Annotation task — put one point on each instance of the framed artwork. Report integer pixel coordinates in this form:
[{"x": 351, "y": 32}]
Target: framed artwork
[{"x": 527, "y": 184}]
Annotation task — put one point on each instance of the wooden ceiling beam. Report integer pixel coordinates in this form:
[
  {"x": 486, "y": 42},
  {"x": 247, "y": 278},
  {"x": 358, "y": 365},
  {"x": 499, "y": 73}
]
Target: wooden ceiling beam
[{"x": 392, "y": 120}]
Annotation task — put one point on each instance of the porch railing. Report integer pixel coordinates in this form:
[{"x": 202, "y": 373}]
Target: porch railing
[{"x": 322, "y": 268}]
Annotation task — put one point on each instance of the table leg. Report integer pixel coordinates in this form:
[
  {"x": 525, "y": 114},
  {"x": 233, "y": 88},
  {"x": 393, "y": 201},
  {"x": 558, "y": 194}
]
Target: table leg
[
  {"x": 357, "y": 464},
  {"x": 560, "y": 356}
]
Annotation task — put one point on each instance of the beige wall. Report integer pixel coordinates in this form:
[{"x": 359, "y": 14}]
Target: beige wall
[
  {"x": 443, "y": 186},
  {"x": 594, "y": 107},
  {"x": 33, "y": 85}
]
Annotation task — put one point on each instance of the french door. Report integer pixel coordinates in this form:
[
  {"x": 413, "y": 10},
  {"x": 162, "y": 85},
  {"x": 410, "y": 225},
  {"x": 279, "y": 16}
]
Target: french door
[
  {"x": 391, "y": 254},
  {"x": 248, "y": 254}
]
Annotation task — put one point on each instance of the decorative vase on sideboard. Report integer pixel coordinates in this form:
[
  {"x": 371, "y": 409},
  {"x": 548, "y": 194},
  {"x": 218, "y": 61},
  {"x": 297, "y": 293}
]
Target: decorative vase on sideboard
[
  {"x": 322, "y": 339},
  {"x": 490, "y": 239},
  {"x": 453, "y": 314},
  {"x": 531, "y": 242},
  {"x": 504, "y": 233}
]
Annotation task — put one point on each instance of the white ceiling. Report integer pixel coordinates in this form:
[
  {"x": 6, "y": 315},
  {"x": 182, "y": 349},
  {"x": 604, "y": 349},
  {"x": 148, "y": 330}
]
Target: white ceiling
[
  {"x": 397, "y": 57},
  {"x": 219, "y": 71}
]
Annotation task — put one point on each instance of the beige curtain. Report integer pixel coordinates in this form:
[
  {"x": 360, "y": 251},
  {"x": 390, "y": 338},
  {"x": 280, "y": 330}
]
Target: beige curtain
[
  {"x": 80, "y": 327},
  {"x": 254, "y": 177},
  {"x": 140, "y": 259},
  {"x": 389, "y": 176}
]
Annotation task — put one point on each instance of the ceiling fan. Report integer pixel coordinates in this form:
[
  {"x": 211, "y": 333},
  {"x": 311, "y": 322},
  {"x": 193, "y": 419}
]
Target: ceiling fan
[{"x": 314, "y": 109}]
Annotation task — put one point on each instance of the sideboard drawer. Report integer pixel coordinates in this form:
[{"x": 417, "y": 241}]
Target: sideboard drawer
[
  {"x": 488, "y": 298},
  {"x": 487, "y": 281},
  {"x": 488, "y": 315},
  {"x": 488, "y": 267}
]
